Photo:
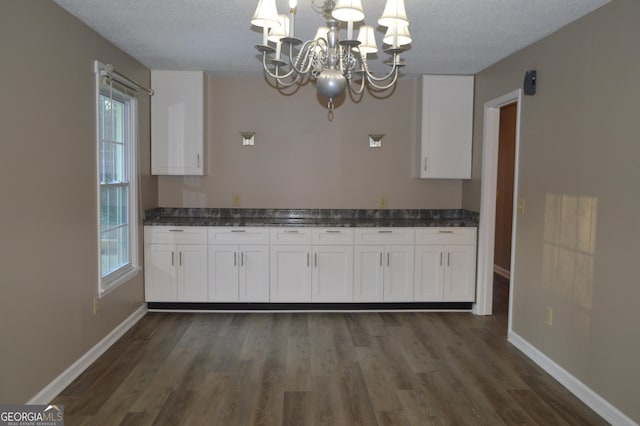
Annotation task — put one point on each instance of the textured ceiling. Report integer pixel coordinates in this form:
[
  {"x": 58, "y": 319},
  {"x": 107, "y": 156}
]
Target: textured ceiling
[{"x": 449, "y": 36}]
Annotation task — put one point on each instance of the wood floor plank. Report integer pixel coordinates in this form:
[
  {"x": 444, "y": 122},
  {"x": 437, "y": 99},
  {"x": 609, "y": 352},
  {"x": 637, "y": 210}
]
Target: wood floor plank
[
  {"x": 377, "y": 378},
  {"x": 296, "y": 409},
  {"x": 298, "y": 364}
]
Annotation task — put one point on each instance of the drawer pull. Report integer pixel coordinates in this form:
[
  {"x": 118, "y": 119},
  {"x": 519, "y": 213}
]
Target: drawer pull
[
  {"x": 333, "y": 232},
  {"x": 445, "y": 232},
  {"x": 238, "y": 230},
  {"x": 176, "y": 230},
  {"x": 385, "y": 232},
  {"x": 292, "y": 232}
]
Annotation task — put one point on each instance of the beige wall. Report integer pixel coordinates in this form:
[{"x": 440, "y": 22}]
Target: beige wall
[
  {"x": 577, "y": 245},
  {"x": 48, "y": 215},
  {"x": 303, "y": 160}
]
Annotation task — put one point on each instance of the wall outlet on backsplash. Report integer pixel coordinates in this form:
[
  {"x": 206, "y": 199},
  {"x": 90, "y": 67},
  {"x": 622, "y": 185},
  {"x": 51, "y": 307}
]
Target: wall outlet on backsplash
[
  {"x": 383, "y": 202},
  {"x": 235, "y": 200}
]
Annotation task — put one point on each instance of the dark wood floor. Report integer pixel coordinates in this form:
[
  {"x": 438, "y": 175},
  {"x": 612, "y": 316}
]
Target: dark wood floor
[{"x": 320, "y": 369}]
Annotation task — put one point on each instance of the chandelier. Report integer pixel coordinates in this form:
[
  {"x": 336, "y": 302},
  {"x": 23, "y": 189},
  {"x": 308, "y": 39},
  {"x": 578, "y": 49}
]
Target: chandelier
[{"x": 333, "y": 64}]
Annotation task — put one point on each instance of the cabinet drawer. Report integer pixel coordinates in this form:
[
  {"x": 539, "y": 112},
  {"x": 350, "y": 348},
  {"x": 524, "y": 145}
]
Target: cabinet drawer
[
  {"x": 334, "y": 236},
  {"x": 384, "y": 236},
  {"x": 175, "y": 235},
  {"x": 241, "y": 235},
  {"x": 445, "y": 235},
  {"x": 290, "y": 236}
]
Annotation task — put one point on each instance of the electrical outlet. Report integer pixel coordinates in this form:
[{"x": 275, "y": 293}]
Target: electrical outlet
[
  {"x": 521, "y": 206},
  {"x": 383, "y": 202},
  {"x": 96, "y": 305},
  {"x": 235, "y": 200},
  {"x": 548, "y": 318}
]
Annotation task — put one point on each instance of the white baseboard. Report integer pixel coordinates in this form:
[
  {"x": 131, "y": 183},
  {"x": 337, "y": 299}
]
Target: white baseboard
[
  {"x": 598, "y": 404},
  {"x": 46, "y": 395},
  {"x": 502, "y": 271}
]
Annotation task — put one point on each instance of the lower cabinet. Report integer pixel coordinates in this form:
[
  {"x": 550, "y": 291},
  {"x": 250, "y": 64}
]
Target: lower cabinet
[
  {"x": 290, "y": 273},
  {"x": 312, "y": 265},
  {"x": 238, "y": 264},
  {"x": 303, "y": 265},
  {"x": 445, "y": 273},
  {"x": 332, "y": 272},
  {"x": 383, "y": 274},
  {"x": 383, "y": 265},
  {"x": 238, "y": 273},
  {"x": 175, "y": 264}
]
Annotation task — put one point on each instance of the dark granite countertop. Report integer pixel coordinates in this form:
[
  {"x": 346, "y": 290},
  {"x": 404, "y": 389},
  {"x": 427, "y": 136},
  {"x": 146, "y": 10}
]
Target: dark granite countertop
[{"x": 311, "y": 217}]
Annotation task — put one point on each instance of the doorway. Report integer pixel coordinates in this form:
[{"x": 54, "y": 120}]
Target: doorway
[
  {"x": 504, "y": 209},
  {"x": 489, "y": 180}
]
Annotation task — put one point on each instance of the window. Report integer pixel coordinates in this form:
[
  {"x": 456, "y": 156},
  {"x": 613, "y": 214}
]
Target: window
[{"x": 116, "y": 113}]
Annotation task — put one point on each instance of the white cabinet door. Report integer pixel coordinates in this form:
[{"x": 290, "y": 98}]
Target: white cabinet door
[
  {"x": 429, "y": 274},
  {"x": 238, "y": 273},
  {"x": 290, "y": 273},
  {"x": 459, "y": 276},
  {"x": 445, "y": 125},
  {"x": 223, "y": 273},
  {"x": 332, "y": 278},
  {"x": 254, "y": 273},
  {"x": 160, "y": 282},
  {"x": 368, "y": 274},
  {"x": 192, "y": 273},
  {"x": 177, "y": 118},
  {"x": 398, "y": 275}
]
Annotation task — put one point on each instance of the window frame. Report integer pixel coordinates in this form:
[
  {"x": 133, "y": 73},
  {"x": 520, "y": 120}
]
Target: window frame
[{"x": 131, "y": 268}]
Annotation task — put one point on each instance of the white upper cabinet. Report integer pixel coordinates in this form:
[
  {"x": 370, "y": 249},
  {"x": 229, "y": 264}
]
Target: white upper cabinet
[
  {"x": 177, "y": 123},
  {"x": 445, "y": 126}
]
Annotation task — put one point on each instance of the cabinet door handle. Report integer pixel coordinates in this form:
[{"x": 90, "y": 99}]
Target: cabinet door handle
[
  {"x": 440, "y": 258},
  {"x": 388, "y": 259},
  {"x": 380, "y": 258},
  {"x": 176, "y": 230},
  {"x": 180, "y": 258},
  {"x": 198, "y": 161},
  {"x": 238, "y": 230},
  {"x": 448, "y": 258},
  {"x": 425, "y": 164},
  {"x": 315, "y": 259},
  {"x": 307, "y": 259},
  {"x": 242, "y": 258},
  {"x": 235, "y": 258},
  {"x": 172, "y": 259}
]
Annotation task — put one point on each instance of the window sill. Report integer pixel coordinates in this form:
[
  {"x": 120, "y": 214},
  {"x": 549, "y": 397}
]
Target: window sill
[{"x": 117, "y": 282}]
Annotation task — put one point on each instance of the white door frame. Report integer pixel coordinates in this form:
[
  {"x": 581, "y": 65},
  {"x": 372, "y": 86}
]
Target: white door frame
[{"x": 487, "y": 226}]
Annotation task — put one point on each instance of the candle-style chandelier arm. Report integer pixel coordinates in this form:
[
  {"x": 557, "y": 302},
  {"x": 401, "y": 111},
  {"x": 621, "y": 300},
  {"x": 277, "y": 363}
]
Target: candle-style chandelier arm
[
  {"x": 359, "y": 90},
  {"x": 304, "y": 60},
  {"x": 276, "y": 75},
  {"x": 372, "y": 82},
  {"x": 393, "y": 73}
]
